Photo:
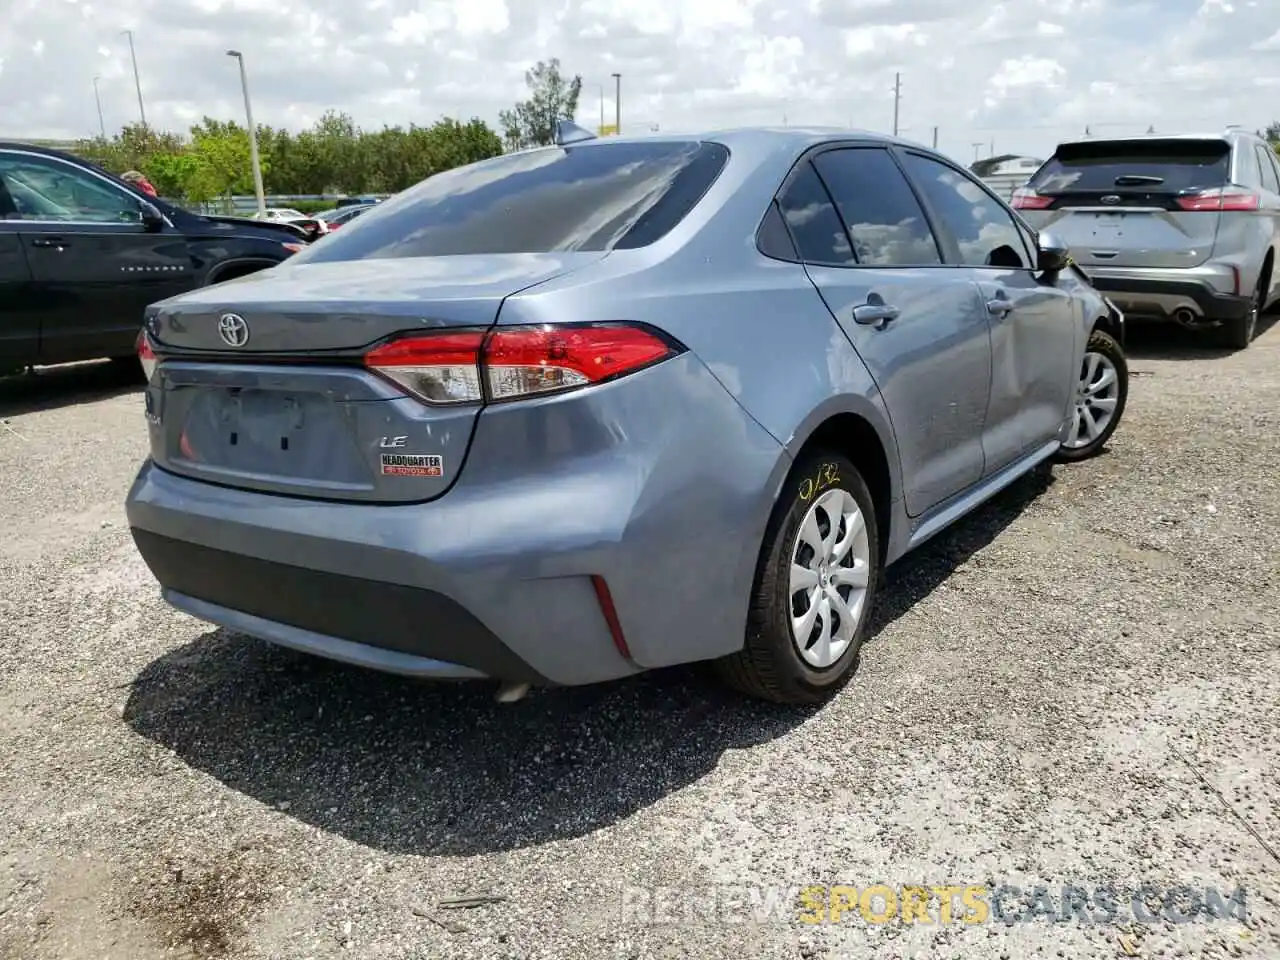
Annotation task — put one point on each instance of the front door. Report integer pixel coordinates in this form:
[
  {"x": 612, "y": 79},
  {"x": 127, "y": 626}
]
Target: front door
[
  {"x": 95, "y": 265},
  {"x": 1034, "y": 324},
  {"x": 917, "y": 324},
  {"x": 19, "y": 319}
]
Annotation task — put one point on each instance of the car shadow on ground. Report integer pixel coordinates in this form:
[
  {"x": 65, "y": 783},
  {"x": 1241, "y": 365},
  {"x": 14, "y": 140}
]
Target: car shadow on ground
[
  {"x": 47, "y": 388},
  {"x": 440, "y": 769},
  {"x": 1168, "y": 341}
]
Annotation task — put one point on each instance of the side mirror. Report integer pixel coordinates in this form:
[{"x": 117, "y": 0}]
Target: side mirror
[
  {"x": 152, "y": 218},
  {"x": 1052, "y": 255}
]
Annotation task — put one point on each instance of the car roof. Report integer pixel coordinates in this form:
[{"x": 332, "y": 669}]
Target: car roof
[
  {"x": 755, "y": 142},
  {"x": 33, "y": 148}
]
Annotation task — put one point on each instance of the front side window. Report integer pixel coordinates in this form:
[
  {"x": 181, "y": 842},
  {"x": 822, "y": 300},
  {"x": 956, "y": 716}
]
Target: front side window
[
  {"x": 882, "y": 215},
  {"x": 593, "y": 196},
  {"x": 981, "y": 226},
  {"x": 40, "y": 188}
]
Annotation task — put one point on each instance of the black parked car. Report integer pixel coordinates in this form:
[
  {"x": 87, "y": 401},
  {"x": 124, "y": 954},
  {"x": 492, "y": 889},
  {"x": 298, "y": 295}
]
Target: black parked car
[{"x": 82, "y": 253}]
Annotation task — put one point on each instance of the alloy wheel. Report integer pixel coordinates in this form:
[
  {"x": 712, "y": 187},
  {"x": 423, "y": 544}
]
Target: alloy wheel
[
  {"x": 1097, "y": 395},
  {"x": 830, "y": 573}
]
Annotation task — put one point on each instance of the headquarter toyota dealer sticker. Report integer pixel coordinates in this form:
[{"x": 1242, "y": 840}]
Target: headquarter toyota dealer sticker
[{"x": 412, "y": 465}]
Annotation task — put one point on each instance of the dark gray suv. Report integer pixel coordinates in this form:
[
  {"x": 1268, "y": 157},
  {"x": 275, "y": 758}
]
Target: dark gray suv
[{"x": 1182, "y": 228}]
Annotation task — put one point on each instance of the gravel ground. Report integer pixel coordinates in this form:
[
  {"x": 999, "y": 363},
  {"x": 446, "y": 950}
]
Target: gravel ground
[{"x": 1079, "y": 685}]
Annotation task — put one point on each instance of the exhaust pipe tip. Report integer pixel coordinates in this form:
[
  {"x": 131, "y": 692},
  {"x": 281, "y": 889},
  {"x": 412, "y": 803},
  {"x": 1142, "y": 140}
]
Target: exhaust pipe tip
[{"x": 1184, "y": 316}]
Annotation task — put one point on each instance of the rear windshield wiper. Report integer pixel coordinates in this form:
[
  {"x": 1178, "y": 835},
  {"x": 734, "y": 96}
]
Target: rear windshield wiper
[{"x": 1136, "y": 179}]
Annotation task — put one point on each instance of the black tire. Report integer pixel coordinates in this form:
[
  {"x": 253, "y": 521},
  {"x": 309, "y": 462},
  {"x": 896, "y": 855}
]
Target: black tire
[
  {"x": 1237, "y": 333},
  {"x": 1102, "y": 343},
  {"x": 770, "y": 666},
  {"x": 129, "y": 366}
]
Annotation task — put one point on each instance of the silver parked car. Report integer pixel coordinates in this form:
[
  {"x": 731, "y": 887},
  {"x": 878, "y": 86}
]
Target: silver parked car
[
  {"x": 1180, "y": 228},
  {"x": 576, "y": 412}
]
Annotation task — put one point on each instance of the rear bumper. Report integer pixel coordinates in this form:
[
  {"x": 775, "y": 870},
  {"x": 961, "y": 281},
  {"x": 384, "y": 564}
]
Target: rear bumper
[
  {"x": 1162, "y": 298},
  {"x": 495, "y": 578},
  {"x": 384, "y": 626}
]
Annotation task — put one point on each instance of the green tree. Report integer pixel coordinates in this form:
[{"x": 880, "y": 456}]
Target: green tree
[
  {"x": 532, "y": 122},
  {"x": 220, "y": 158},
  {"x": 334, "y": 155}
]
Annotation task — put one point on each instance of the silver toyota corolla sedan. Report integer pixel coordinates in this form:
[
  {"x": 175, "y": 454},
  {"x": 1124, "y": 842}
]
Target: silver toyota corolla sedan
[{"x": 577, "y": 412}]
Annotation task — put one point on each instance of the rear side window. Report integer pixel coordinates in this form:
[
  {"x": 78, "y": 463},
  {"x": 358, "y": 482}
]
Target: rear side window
[
  {"x": 880, "y": 211},
  {"x": 1113, "y": 166},
  {"x": 814, "y": 224},
  {"x": 585, "y": 197}
]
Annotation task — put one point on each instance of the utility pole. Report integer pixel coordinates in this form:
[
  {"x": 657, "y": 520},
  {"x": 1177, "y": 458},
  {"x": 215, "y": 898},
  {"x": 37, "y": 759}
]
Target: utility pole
[
  {"x": 993, "y": 146},
  {"x": 976, "y": 147},
  {"x": 137, "y": 83},
  {"x": 617, "y": 102},
  {"x": 897, "y": 96},
  {"x": 935, "y": 138},
  {"x": 253, "y": 135},
  {"x": 601, "y": 130},
  {"x": 97, "y": 97}
]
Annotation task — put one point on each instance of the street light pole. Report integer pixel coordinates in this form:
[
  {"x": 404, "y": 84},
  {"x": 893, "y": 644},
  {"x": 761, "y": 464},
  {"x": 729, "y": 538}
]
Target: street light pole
[
  {"x": 97, "y": 98},
  {"x": 601, "y": 130},
  {"x": 137, "y": 83},
  {"x": 617, "y": 104},
  {"x": 253, "y": 134}
]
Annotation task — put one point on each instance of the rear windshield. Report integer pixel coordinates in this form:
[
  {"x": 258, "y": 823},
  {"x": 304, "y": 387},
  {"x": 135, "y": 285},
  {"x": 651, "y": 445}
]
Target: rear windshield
[
  {"x": 585, "y": 197},
  {"x": 1151, "y": 166}
]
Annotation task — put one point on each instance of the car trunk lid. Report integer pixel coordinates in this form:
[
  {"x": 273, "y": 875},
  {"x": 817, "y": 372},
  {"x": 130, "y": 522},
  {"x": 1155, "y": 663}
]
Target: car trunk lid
[
  {"x": 261, "y": 382},
  {"x": 1143, "y": 202}
]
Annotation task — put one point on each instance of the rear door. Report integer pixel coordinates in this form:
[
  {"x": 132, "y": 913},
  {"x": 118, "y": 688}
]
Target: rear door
[
  {"x": 917, "y": 324},
  {"x": 1131, "y": 203},
  {"x": 1033, "y": 323},
  {"x": 94, "y": 266}
]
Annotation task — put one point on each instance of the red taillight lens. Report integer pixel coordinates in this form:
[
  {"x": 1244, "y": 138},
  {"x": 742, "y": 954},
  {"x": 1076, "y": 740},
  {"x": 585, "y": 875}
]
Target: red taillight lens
[
  {"x": 1228, "y": 198},
  {"x": 523, "y": 361},
  {"x": 515, "y": 362},
  {"x": 439, "y": 368},
  {"x": 1025, "y": 198},
  {"x": 146, "y": 355}
]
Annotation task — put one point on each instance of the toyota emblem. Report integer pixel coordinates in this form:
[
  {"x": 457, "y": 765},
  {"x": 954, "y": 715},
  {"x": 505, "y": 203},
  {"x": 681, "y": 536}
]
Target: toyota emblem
[{"x": 233, "y": 330}]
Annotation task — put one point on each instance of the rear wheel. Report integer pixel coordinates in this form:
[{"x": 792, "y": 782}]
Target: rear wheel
[
  {"x": 1238, "y": 332},
  {"x": 129, "y": 366},
  {"x": 1101, "y": 394},
  {"x": 815, "y": 586}
]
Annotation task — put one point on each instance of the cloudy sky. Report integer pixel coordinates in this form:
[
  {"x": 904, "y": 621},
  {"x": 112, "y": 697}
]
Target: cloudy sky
[{"x": 1024, "y": 73}]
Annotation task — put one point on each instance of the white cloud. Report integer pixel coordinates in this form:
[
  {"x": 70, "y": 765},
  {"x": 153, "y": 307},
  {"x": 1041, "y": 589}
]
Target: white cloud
[{"x": 1023, "y": 73}]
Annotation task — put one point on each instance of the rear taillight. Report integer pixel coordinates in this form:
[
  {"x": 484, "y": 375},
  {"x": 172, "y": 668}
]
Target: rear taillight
[
  {"x": 1024, "y": 198},
  {"x": 514, "y": 362},
  {"x": 294, "y": 247},
  {"x": 1221, "y": 198},
  {"x": 146, "y": 356}
]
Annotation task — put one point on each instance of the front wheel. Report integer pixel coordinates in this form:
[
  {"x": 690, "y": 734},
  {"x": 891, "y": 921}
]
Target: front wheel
[
  {"x": 815, "y": 584},
  {"x": 1101, "y": 393}
]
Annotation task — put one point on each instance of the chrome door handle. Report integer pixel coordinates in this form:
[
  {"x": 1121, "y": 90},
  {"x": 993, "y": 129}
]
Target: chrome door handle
[
  {"x": 55, "y": 242},
  {"x": 874, "y": 314},
  {"x": 999, "y": 307}
]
